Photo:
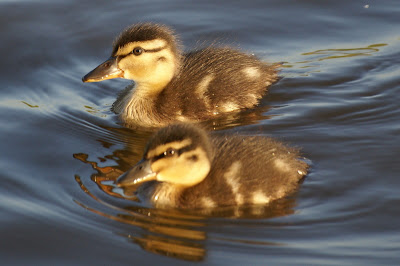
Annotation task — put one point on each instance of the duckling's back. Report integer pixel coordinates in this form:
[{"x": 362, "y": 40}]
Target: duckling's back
[
  {"x": 217, "y": 80},
  {"x": 247, "y": 170}
]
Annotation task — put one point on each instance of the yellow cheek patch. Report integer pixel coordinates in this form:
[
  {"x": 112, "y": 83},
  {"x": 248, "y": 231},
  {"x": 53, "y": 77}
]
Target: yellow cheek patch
[
  {"x": 147, "y": 45},
  {"x": 176, "y": 145},
  {"x": 135, "y": 66},
  {"x": 161, "y": 164},
  {"x": 183, "y": 170},
  {"x": 152, "y": 70}
]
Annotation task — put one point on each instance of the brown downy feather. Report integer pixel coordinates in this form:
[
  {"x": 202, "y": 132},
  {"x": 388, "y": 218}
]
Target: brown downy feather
[
  {"x": 245, "y": 170},
  {"x": 207, "y": 82}
]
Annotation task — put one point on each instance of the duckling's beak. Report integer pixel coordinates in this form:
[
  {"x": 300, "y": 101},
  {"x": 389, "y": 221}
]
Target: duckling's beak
[
  {"x": 106, "y": 70},
  {"x": 140, "y": 173}
]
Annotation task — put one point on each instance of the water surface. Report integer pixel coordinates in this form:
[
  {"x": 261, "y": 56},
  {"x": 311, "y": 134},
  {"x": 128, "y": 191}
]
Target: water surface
[{"x": 338, "y": 100}]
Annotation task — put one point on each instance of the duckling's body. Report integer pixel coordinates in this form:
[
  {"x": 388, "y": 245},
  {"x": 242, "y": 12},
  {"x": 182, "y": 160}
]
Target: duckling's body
[
  {"x": 171, "y": 87},
  {"x": 214, "y": 170}
]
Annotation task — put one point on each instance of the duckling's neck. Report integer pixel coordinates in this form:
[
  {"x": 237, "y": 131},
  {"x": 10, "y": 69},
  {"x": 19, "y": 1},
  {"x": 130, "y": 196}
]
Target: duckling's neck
[
  {"x": 137, "y": 105},
  {"x": 167, "y": 195}
]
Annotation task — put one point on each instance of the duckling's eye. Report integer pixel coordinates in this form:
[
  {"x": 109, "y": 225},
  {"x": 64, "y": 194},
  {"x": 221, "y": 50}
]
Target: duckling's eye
[
  {"x": 169, "y": 152},
  {"x": 137, "y": 51}
]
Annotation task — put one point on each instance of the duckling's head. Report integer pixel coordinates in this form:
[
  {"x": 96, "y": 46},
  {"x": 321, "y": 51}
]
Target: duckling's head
[
  {"x": 146, "y": 53},
  {"x": 179, "y": 154}
]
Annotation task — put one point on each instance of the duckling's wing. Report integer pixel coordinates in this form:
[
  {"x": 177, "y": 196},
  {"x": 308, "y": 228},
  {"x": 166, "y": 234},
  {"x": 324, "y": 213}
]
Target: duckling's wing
[
  {"x": 218, "y": 80},
  {"x": 249, "y": 170},
  {"x": 229, "y": 78}
]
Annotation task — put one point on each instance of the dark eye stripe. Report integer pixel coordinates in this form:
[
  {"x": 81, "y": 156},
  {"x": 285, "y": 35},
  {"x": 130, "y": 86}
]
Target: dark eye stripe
[
  {"x": 154, "y": 50},
  {"x": 144, "y": 50},
  {"x": 179, "y": 152}
]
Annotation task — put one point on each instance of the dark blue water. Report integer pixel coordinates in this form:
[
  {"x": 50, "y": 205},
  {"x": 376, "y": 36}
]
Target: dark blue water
[{"x": 61, "y": 145}]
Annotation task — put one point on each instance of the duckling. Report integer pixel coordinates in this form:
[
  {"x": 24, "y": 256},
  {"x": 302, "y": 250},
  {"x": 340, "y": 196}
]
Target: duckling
[
  {"x": 172, "y": 86},
  {"x": 194, "y": 169}
]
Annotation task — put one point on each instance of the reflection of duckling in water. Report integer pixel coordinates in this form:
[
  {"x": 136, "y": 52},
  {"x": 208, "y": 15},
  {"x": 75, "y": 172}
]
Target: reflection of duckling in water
[
  {"x": 200, "y": 170},
  {"x": 175, "y": 87}
]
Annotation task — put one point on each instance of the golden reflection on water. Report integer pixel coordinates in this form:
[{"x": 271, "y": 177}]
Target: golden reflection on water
[
  {"x": 169, "y": 233},
  {"x": 180, "y": 234},
  {"x": 171, "y": 247},
  {"x": 97, "y": 112},
  {"x": 326, "y": 54},
  {"x": 329, "y": 54},
  {"x": 175, "y": 233},
  {"x": 229, "y": 120},
  {"x": 30, "y": 105}
]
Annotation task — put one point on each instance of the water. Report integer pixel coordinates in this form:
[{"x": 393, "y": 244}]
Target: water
[{"x": 61, "y": 145}]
